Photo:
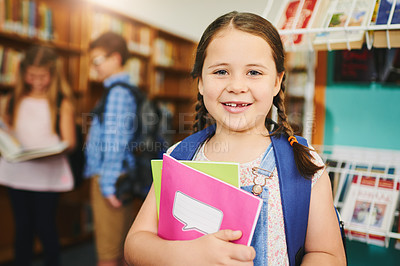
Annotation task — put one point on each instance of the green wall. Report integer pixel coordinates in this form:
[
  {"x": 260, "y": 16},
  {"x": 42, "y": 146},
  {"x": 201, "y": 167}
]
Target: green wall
[{"x": 361, "y": 115}]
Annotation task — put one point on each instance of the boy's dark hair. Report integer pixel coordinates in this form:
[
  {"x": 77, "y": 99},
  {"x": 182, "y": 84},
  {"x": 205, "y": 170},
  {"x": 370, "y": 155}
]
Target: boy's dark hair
[
  {"x": 112, "y": 42},
  {"x": 256, "y": 25}
]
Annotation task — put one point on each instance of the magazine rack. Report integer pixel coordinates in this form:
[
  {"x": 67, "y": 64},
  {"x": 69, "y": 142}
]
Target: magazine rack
[
  {"x": 309, "y": 31},
  {"x": 347, "y": 164}
]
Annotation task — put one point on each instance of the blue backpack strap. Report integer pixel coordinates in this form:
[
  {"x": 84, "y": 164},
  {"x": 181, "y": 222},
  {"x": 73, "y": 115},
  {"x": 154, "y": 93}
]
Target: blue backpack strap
[
  {"x": 189, "y": 146},
  {"x": 295, "y": 195}
]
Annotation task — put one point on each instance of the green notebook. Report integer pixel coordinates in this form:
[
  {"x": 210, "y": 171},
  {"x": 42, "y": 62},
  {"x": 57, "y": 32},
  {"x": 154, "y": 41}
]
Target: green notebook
[{"x": 225, "y": 171}]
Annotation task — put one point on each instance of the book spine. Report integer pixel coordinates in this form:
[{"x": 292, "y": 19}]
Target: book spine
[
  {"x": 2, "y": 13},
  {"x": 1, "y": 63},
  {"x": 32, "y": 19}
]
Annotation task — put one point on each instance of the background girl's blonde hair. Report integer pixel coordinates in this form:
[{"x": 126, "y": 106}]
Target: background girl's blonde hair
[{"x": 41, "y": 56}]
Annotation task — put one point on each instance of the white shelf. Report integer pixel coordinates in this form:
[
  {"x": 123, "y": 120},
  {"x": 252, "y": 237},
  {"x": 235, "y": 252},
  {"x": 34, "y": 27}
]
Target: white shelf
[{"x": 310, "y": 32}]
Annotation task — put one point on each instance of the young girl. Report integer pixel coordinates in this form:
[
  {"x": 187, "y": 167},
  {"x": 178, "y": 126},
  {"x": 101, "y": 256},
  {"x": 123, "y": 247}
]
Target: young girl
[
  {"x": 41, "y": 113},
  {"x": 240, "y": 70}
]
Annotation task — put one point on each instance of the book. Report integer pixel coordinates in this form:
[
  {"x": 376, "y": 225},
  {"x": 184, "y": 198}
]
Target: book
[
  {"x": 296, "y": 14},
  {"x": 369, "y": 207},
  {"x": 348, "y": 15},
  {"x": 384, "y": 18},
  {"x": 193, "y": 204},
  {"x": 12, "y": 150},
  {"x": 225, "y": 171}
]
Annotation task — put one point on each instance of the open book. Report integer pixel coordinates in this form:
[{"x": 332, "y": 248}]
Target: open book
[
  {"x": 12, "y": 150},
  {"x": 193, "y": 204}
]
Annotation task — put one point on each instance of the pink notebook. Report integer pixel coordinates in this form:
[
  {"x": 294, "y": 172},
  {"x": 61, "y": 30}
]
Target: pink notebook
[{"x": 193, "y": 204}]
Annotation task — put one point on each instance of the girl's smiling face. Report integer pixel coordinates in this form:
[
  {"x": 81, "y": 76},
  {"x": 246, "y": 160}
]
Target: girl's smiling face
[
  {"x": 239, "y": 80},
  {"x": 38, "y": 78}
]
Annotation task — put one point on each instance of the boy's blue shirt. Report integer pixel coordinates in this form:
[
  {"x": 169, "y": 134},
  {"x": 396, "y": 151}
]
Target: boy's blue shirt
[{"x": 107, "y": 148}]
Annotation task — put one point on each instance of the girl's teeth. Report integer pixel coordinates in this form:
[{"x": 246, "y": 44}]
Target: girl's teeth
[{"x": 235, "y": 104}]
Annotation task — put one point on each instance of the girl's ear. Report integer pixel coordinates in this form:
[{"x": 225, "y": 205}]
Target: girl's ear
[
  {"x": 200, "y": 86},
  {"x": 278, "y": 83}
]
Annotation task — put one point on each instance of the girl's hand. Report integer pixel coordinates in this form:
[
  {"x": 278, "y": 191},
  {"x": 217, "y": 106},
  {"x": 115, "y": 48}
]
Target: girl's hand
[
  {"x": 216, "y": 249},
  {"x": 114, "y": 202}
]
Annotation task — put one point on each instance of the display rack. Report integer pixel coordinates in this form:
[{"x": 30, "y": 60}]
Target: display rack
[
  {"x": 310, "y": 31},
  {"x": 344, "y": 163}
]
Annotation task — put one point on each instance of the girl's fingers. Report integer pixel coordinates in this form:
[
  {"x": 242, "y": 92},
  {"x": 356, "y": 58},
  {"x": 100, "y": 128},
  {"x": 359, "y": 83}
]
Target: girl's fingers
[
  {"x": 228, "y": 235},
  {"x": 237, "y": 252},
  {"x": 243, "y": 253}
]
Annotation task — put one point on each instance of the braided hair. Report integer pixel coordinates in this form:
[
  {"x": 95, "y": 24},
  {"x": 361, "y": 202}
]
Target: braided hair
[{"x": 258, "y": 26}]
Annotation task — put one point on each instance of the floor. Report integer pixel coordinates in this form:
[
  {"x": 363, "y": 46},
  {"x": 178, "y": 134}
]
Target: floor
[
  {"x": 359, "y": 254},
  {"x": 78, "y": 255}
]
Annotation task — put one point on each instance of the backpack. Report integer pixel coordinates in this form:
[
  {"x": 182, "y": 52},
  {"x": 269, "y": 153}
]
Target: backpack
[
  {"x": 294, "y": 188},
  {"x": 147, "y": 143}
]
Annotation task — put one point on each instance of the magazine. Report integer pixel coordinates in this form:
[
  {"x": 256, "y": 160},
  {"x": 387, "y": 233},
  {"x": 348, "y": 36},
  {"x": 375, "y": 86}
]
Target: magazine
[
  {"x": 369, "y": 207},
  {"x": 383, "y": 18},
  {"x": 296, "y": 14},
  {"x": 349, "y": 15},
  {"x": 12, "y": 150}
]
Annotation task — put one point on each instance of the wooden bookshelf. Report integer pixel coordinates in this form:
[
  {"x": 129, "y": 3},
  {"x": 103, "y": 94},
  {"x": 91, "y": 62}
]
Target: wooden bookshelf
[{"x": 68, "y": 27}]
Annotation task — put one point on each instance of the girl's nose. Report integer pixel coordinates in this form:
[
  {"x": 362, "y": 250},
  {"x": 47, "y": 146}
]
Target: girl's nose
[{"x": 237, "y": 84}]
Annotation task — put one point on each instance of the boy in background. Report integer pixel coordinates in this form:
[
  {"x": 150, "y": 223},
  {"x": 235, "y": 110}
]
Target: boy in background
[{"x": 107, "y": 158}]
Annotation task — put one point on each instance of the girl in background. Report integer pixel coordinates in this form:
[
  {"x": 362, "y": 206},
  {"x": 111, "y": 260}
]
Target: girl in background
[
  {"x": 240, "y": 70},
  {"x": 40, "y": 113}
]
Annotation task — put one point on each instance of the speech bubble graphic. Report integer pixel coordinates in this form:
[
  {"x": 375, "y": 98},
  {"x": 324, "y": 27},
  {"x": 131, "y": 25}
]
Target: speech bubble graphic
[{"x": 196, "y": 215}]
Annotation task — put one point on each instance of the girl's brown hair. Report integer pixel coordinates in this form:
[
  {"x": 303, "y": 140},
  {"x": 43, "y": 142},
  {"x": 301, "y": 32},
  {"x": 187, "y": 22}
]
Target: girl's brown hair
[
  {"x": 41, "y": 56},
  {"x": 261, "y": 27}
]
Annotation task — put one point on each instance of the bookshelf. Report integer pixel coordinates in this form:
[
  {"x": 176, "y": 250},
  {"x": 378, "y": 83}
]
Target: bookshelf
[{"x": 160, "y": 64}]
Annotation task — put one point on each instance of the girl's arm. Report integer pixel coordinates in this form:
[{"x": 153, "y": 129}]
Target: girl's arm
[
  {"x": 67, "y": 124},
  {"x": 323, "y": 240},
  {"x": 144, "y": 247}
]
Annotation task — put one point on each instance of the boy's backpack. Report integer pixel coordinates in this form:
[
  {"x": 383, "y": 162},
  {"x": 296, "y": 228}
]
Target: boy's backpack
[
  {"x": 295, "y": 190},
  {"x": 147, "y": 143}
]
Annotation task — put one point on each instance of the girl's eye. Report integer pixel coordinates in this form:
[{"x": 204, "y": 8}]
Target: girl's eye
[
  {"x": 254, "y": 73},
  {"x": 221, "y": 72}
]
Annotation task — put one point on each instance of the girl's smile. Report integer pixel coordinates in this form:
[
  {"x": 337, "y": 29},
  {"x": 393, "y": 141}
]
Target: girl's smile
[{"x": 236, "y": 107}]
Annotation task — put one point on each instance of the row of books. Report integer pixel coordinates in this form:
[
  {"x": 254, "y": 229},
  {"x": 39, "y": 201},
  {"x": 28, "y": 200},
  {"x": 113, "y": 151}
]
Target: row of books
[
  {"x": 335, "y": 24},
  {"x": 27, "y": 18},
  {"x": 171, "y": 54},
  {"x": 138, "y": 37},
  {"x": 367, "y": 195},
  {"x": 9, "y": 63}
]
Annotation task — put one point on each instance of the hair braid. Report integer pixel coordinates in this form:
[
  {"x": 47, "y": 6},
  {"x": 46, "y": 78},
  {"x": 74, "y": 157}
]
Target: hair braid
[
  {"x": 302, "y": 156},
  {"x": 201, "y": 113},
  {"x": 283, "y": 123}
]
